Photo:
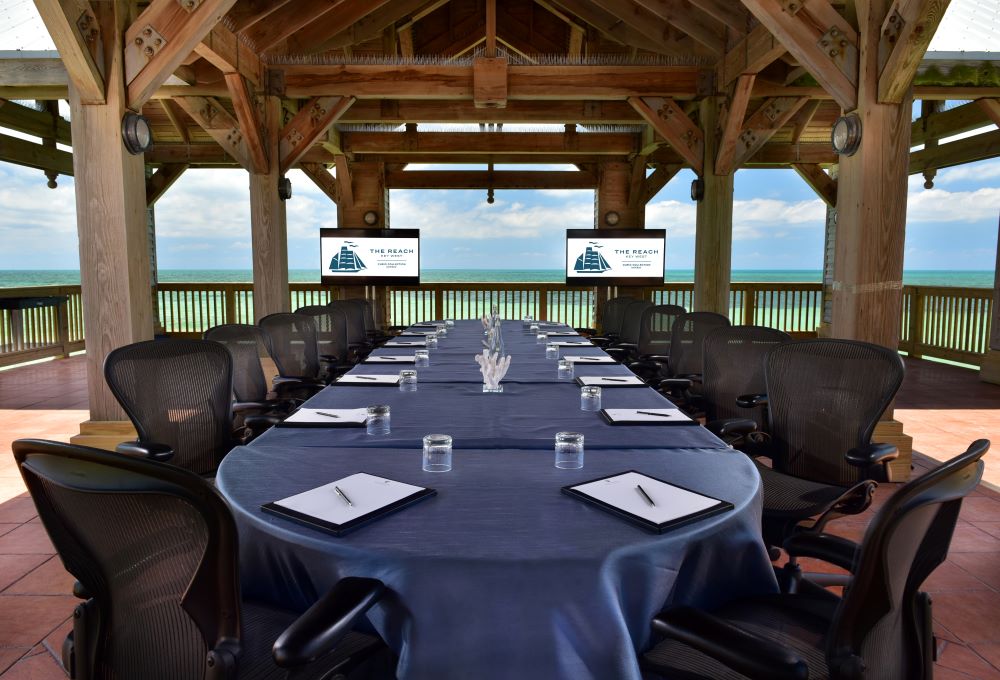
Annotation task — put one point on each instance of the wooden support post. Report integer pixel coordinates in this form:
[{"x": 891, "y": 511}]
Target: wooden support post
[
  {"x": 268, "y": 227},
  {"x": 614, "y": 179},
  {"x": 990, "y": 368},
  {"x": 111, "y": 223},
  {"x": 363, "y": 190},
  {"x": 713, "y": 243}
]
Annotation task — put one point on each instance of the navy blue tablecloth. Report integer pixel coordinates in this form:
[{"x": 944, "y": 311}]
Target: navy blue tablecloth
[{"x": 500, "y": 575}]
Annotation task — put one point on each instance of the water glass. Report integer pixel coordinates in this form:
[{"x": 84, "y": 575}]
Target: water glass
[
  {"x": 431, "y": 341},
  {"x": 449, "y": 323},
  {"x": 565, "y": 370},
  {"x": 551, "y": 351},
  {"x": 526, "y": 322},
  {"x": 533, "y": 328},
  {"x": 407, "y": 380},
  {"x": 542, "y": 339},
  {"x": 569, "y": 450},
  {"x": 437, "y": 453},
  {"x": 590, "y": 398},
  {"x": 378, "y": 419},
  {"x": 421, "y": 357},
  {"x": 442, "y": 331}
]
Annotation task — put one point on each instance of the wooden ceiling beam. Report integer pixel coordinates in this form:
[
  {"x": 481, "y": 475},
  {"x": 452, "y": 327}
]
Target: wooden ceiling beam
[
  {"x": 613, "y": 27},
  {"x": 730, "y": 13},
  {"x": 992, "y": 109},
  {"x": 701, "y": 27},
  {"x": 247, "y": 13},
  {"x": 161, "y": 180},
  {"x": 30, "y": 121},
  {"x": 323, "y": 179},
  {"x": 484, "y": 179},
  {"x": 217, "y": 122},
  {"x": 947, "y": 123},
  {"x": 148, "y": 63},
  {"x": 371, "y": 25},
  {"x": 491, "y": 29},
  {"x": 589, "y": 144},
  {"x": 752, "y": 54},
  {"x": 820, "y": 182},
  {"x": 227, "y": 52},
  {"x": 660, "y": 177},
  {"x": 320, "y": 155},
  {"x": 344, "y": 182},
  {"x": 967, "y": 150},
  {"x": 287, "y": 21},
  {"x": 75, "y": 31},
  {"x": 307, "y": 126},
  {"x": 733, "y": 123},
  {"x": 314, "y": 36},
  {"x": 245, "y": 106},
  {"x": 176, "y": 119},
  {"x": 670, "y": 121},
  {"x": 822, "y": 41},
  {"x": 41, "y": 157},
  {"x": 803, "y": 119},
  {"x": 906, "y": 33},
  {"x": 761, "y": 126}
]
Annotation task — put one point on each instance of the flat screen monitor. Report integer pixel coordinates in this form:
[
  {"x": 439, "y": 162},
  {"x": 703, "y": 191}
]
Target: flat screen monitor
[
  {"x": 369, "y": 257},
  {"x": 615, "y": 257}
]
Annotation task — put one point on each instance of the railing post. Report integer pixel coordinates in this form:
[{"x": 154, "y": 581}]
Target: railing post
[
  {"x": 62, "y": 328},
  {"x": 439, "y": 303},
  {"x": 916, "y": 332},
  {"x": 543, "y": 303},
  {"x": 749, "y": 303},
  {"x": 230, "y": 293}
]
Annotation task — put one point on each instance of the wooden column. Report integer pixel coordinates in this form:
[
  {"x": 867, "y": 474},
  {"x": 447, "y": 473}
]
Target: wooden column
[
  {"x": 613, "y": 192},
  {"x": 990, "y": 371},
  {"x": 363, "y": 190},
  {"x": 268, "y": 227},
  {"x": 111, "y": 222},
  {"x": 713, "y": 244}
]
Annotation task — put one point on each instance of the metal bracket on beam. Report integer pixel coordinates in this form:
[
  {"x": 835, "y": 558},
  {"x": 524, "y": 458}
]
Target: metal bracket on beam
[
  {"x": 839, "y": 49},
  {"x": 891, "y": 29},
  {"x": 87, "y": 25},
  {"x": 145, "y": 45},
  {"x": 791, "y": 6},
  {"x": 189, "y": 5}
]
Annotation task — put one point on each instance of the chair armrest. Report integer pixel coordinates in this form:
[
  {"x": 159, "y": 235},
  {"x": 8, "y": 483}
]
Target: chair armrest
[
  {"x": 827, "y": 547},
  {"x": 150, "y": 450},
  {"x": 741, "y": 650},
  {"x": 80, "y": 591},
  {"x": 731, "y": 427},
  {"x": 671, "y": 384},
  {"x": 872, "y": 454},
  {"x": 246, "y": 406},
  {"x": 260, "y": 423},
  {"x": 658, "y": 358},
  {"x": 324, "y": 625},
  {"x": 585, "y": 331},
  {"x": 751, "y": 400},
  {"x": 617, "y": 353}
]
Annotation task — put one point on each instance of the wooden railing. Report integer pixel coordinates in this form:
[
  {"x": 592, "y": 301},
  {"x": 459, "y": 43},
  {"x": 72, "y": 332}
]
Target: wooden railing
[{"x": 941, "y": 322}]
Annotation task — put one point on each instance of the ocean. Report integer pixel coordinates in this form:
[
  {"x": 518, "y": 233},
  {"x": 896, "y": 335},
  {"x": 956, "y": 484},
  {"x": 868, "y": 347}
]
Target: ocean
[{"x": 16, "y": 278}]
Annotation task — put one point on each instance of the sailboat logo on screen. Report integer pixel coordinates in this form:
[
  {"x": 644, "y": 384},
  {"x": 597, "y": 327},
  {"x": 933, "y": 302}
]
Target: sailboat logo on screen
[
  {"x": 591, "y": 260},
  {"x": 347, "y": 260}
]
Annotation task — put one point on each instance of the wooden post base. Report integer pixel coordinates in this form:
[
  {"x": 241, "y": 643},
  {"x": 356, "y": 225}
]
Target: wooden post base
[
  {"x": 989, "y": 370},
  {"x": 891, "y": 432},
  {"x": 104, "y": 434}
]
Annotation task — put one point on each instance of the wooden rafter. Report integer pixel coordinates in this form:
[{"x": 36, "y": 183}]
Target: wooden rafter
[
  {"x": 372, "y": 24},
  {"x": 161, "y": 180},
  {"x": 670, "y": 121},
  {"x": 286, "y": 21},
  {"x": 752, "y": 54},
  {"x": 428, "y": 111},
  {"x": 228, "y": 53},
  {"x": 175, "y": 117},
  {"x": 322, "y": 178},
  {"x": 992, "y": 109},
  {"x": 819, "y": 38},
  {"x": 218, "y": 123},
  {"x": 612, "y": 27},
  {"x": 22, "y": 152},
  {"x": 803, "y": 119},
  {"x": 246, "y": 13},
  {"x": 660, "y": 178},
  {"x": 597, "y": 143},
  {"x": 308, "y": 125},
  {"x": 702, "y": 27},
  {"x": 906, "y": 33},
  {"x": 637, "y": 183},
  {"x": 730, "y": 13},
  {"x": 160, "y": 39},
  {"x": 245, "y": 106},
  {"x": 33, "y": 122},
  {"x": 74, "y": 29},
  {"x": 344, "y": 181},
  {"x": 482, "y": 179},
  {"x": 313, "y": 36},
  {"x": 820, "y": 182},
  {"x": 967, "y": 150},
  {"x": 732, "y": 124},
  {"x": 491, "y": 29},
  {"x": 761, "y": 126}
]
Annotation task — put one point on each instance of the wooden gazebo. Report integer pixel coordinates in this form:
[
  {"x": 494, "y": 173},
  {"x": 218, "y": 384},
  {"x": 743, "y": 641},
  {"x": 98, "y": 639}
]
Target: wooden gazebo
[{"x": 635, "y": 90}]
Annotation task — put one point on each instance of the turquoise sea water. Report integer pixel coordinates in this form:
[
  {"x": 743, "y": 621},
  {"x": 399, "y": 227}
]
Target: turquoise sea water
[{"x": 28, "y": 277}]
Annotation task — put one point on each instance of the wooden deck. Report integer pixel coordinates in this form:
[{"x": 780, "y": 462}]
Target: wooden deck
[{"x": 942, "y": 407}]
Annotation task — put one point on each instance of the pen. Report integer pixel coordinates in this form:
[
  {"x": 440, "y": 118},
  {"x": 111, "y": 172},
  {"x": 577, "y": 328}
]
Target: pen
[
  {"x": 365, "y": 377},
  {"x": 616, "y": 379},
  {"x": 587, "y": 359},
  {"x": 650, "y": 413},
  {"x": 344, "y": 496},
  {"x": 328, "y": 415},
  {"x": 646, "y": 496}
]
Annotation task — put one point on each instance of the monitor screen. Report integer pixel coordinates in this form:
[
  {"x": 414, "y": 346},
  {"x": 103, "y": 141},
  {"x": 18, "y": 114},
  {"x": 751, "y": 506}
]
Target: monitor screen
[
  {"x": 369, "y": 257},
  {"x": 617, "y": 257}
]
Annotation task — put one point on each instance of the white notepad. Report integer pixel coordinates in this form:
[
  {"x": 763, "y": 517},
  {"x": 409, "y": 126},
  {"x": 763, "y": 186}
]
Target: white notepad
[
  {"x": 367, "y": 379},
  {"x": 367, "y": 492},
  {"x": 563, "y": 333},
  {"x": 610, "y": 380},
  {"x": 577, "y": 358},
  {"x": 391, "y": 359},
  {"x": 405, "y": 343},
  {"x": 328, "y": 416},
  {"x": 572, "y": 343},
  {"x": 671, "y": 502},
  {"x": 642, "y": 415}
]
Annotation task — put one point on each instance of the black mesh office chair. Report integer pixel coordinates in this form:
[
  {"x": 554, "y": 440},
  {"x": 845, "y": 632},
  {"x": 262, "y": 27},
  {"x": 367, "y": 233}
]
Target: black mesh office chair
[
  {"x": 291, "y": 341},
  {"x": 155, "y": 551},
  {"x": 881, "y": 628},
  {"x": 331, "y": 339},
  {"x": 373, "y": 332},
  {"x": 655, "y": 336},
  {"x": 611, "y": 320},
  {"x": 824, "y": 398},
  {"x": 682, "y": 371},
  {"x": 178, "y": 395},
  {"x": 628, "y": 337},
  {"x": 357, "y": 338}
]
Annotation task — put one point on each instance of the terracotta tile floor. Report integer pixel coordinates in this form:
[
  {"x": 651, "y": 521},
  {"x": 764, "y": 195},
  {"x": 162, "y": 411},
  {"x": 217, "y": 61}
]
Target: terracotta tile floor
[{"x": 943, "y": 407}]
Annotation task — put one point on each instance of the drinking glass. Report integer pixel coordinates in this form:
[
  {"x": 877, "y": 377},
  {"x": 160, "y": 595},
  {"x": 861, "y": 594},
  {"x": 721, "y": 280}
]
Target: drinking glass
[
  {"x": 590, "y": 398},
  {"x": 552, "y": 351},
  {"x": 533, "y": 328},
  {"x": 542, "y": 339},
  {"x": 407, "y": 380},
  {"x": 526, "y": 322},
  {"x": 422, "y": 357},
  {"x": 565, "y": 370},
  {"x": 569, "y": 450},
  {"x": 449, "y": 323},
  {"x": 437, "y": 453},
  {"x": 378, "y": 419},
  {"x": 431, "y": 341}
]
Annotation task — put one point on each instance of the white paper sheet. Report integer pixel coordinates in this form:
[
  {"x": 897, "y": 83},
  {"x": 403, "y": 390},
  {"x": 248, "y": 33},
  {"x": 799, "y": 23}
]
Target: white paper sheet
[
  {"x": 563, "y": 333},
  {"x": 416, "y": 334},
  {"x": 641, "y": 415},
  {"x": 405, "y": 343},
  {"x": 367, "y": 492},
  {"x": 671, "y": 501},
  {"x": 572, "y": 343},
  {"x": 391, "y": 359},
  {"x": 611, "y": 380},
  {"x": 338, "y": 416},
  {"x": 579, "y": 359},
  {"x": 367, "y": 379}
]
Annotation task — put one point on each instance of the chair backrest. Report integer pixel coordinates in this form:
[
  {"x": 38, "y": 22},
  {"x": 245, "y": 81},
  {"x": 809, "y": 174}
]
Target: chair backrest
[
  {"x": 687, "y": 341},
  {"x": 331, "y": 330},
  {"x": 824, "y": 398},
  {"x": 155, "y": 547},
  {"x": 355, "y": 316},
  {"x": 177, "y": 392},
  {"x": 368, "y": 309},
  {"x": 632, "y": 320},
  {"x": 733, "y": 365},
  {"x": 879, "y": 619},
  {"x": 655, "y": 328},
  {"x": 291, "y": 340},
  {"x": 247, "y": 345},
  {"x": 613, "y": 313}
]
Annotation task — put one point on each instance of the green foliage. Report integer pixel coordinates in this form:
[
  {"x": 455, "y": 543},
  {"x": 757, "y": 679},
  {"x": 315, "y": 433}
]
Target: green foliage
[{"x": 985, "y": 74}]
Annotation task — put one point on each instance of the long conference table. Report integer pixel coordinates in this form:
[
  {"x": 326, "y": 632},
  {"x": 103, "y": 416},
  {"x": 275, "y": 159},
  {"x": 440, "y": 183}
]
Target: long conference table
[{"x": 500, "y": 575}]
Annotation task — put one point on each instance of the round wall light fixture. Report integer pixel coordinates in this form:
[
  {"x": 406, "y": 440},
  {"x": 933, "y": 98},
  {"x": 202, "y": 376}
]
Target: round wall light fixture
[
  {"x": 846, "y": 135},
  {"x": 697, "y": 189},
  {"x": 611, "y": 218},
  {"x": 284, "y": 188},
  {"x": 370, "y": 218},
  {"x": 136, "y": 133}
]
